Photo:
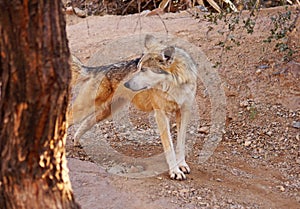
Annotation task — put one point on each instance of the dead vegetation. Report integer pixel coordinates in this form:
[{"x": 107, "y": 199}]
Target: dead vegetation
[{"x": 83, "y": 8}]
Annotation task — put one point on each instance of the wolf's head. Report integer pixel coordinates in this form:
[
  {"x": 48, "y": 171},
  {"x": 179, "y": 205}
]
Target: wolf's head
[{"x": 160, "y": 64}]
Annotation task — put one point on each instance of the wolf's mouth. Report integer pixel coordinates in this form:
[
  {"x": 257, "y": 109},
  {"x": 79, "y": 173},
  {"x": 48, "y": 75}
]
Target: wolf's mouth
[{"x": 146, "y": 87}]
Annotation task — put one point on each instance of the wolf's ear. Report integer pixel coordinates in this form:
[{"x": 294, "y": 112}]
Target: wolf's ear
[
  {"x": 150, "y": 41},
  {"x": 168, "y": 53}
]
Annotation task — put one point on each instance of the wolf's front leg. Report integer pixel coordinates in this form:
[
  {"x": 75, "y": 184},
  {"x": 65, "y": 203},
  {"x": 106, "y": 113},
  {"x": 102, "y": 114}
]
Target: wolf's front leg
[
  {"x": 182, "y": 119},
  {"x": 164, "y": 130}
]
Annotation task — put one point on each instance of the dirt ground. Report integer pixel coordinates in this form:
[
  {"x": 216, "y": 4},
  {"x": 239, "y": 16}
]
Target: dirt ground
[{"x": 257, "y": 163}]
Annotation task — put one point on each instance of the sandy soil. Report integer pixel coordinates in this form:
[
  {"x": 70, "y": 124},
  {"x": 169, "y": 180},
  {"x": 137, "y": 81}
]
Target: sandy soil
[{"x": 257, "y": 163}]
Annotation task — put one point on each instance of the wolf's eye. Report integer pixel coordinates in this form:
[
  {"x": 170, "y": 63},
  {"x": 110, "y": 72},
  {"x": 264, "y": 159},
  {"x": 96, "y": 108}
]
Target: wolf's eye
[{"x": 143, "y": 69}]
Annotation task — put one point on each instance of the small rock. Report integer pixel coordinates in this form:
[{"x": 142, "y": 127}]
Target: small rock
[
  {"x": 244, "y": 103},
  {"x": 203, "y": 204},
  {"x": 175, "y": 193},
  {"x": 281, "y": 188},
  {"x": 191, "y": 132},
  {"x": 116, "y": 169},
  {"x": 79, "y": 12},
  {"x": 229, "y": 201},
  {"x": 135, "y": 169},
  {"x": 247, "y": 143},
  {"x": 199, "y": 198},
  {"x": 145, "y": 12},
  {"x": 69, "y": 10},
  {"x": 263, "y": 67},
  {"x": 182, "y": 192},
  {"x": 258, "y": 71},
  {"x": 204, "y": 129},
  {"x": 269, "y": 133},
  {"x": 296, "y": 124}
]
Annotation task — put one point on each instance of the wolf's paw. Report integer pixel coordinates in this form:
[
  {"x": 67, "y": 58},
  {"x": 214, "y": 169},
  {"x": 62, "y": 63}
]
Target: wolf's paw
[
  {"x": 177, "y": 174},
  {"x": 185, "y": 168}
]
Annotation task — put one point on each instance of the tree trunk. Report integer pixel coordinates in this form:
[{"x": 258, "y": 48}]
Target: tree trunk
[{"x": 34, "y": 74}]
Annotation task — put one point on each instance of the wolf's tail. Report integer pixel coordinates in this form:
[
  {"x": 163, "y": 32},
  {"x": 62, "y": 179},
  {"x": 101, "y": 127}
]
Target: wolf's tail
[
  {"x": 77, "y": 72},
  {"x": 76, "y": 69},
  {"x": 75, "y": 61}
]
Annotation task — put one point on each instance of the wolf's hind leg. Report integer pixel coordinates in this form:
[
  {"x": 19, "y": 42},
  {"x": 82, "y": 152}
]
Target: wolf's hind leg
[
  {"x": 90, "y": 121},
  {"x": 102, "y": 113}
]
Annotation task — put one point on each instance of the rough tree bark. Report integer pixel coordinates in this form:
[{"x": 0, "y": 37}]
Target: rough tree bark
[{"x": 34, "y": 74}]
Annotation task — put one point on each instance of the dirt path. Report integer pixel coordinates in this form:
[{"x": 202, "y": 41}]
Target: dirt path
[{"x": 257, "y": 164}]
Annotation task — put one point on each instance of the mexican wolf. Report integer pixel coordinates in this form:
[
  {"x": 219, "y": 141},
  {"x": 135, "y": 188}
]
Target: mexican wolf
[{"x": 163, "y": 80}]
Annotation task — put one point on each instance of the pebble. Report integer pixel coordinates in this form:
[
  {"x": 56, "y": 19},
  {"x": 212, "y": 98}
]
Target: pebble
[
  {"x": 269, "y": 133},
  {"x": 204, "y": 129},
  {"x": 199, "y": 198},
  {"x": 69, "y": 10},
  {"x": 281, "y": 188},
  {"x": 247, "y": 143},
  {"x": 116, "y": 169},
  {"x": 135, "y": 169},
  {"x": 296, "y": 124},
  {"x": 182, "y": 192},
  {"x": 244, "y": 103},
  {"x": 145, "y": 12},
  {"x": 79, "y": 12},
  {"x": 263, "y": 67}
]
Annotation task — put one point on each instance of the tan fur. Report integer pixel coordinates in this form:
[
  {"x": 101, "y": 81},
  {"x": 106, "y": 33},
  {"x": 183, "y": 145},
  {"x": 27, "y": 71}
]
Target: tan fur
[{"x": 165, "y": 82}]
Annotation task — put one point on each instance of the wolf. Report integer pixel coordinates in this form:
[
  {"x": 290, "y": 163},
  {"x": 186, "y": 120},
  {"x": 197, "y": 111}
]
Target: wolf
[{"x": 163, "y": 80}]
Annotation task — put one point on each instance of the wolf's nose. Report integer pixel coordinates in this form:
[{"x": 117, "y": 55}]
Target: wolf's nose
[{"x": 126, "y": 85}]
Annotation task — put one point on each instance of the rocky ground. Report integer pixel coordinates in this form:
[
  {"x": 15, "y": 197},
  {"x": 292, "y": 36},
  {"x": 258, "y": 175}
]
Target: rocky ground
[{"x": 257, "y": 163}]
